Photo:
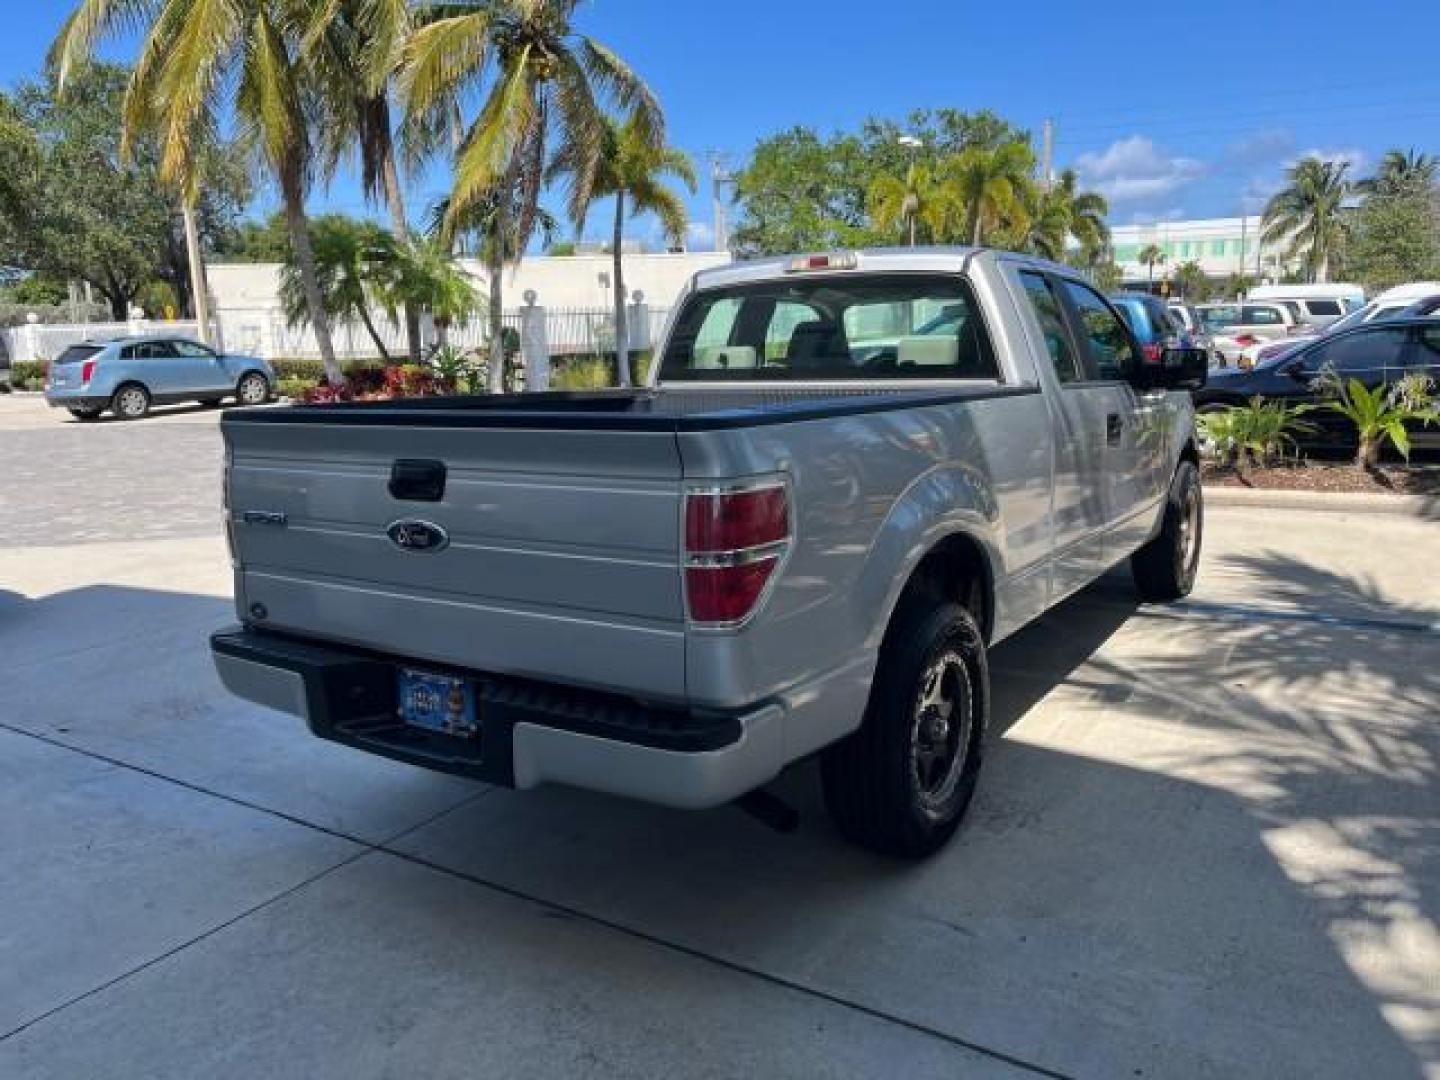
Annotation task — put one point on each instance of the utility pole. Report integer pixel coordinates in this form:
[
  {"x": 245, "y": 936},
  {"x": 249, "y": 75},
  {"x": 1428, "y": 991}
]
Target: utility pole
[
  {"x": 193, "y": 255},
  {"x": 717, "y": 194},
  {"x": 1047, "y": 154}
]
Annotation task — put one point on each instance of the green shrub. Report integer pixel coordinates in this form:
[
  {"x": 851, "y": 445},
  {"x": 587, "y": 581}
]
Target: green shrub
[
  {"x": 295, "y": 387},
  {"x": 582, "y": 373},
  {"x": 1380, "y": 415},
  {"x": 24, "y": 373},
  {"x": 1257, "y": 432},
  {"x": 304, "y": 367}
]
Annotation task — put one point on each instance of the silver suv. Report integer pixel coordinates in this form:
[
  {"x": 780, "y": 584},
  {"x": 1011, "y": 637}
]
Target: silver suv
[{"x": 128, "y": 375}]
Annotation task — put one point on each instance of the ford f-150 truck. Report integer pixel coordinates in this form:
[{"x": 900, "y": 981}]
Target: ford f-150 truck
[{"x": 850, "y": 476}]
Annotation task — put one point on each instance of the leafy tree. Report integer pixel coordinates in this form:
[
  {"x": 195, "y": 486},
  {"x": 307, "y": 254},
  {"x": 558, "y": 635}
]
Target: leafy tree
[
  {"x": 1394, "y": 239},
  {"x": 1237, "y": 285},
  {"x": 1191, "y": 282},
  {"x": 991, "y": 184},
  {"x": 36, "y": 289},
  {"x": 561, "y": 250},
  {"x": 199, "y": 62},
  {"x": 1151, "y": 255},
  {"x": 346, "y": 251},
  {"x": 422, "y": 274},
  {"x": 1307, "y": 215},
  {"x": 1402, "y": 172},
  {"x": 1056, "y": 215},
  {"x": 74, "y": 207},
  {"x": 634, "y": 168},
  {"x": 546, "y": 85},
  {"x": 1107, "y": 276},
  {"x": 905, "y": 203},
  {"x": 252, "y": 241}
]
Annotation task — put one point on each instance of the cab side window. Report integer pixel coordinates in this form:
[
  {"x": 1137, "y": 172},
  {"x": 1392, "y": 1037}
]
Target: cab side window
[
  {"x": 1112, "y": 350},
  {"x": 1046, "y": 306},
  {"x": 192, "y": 349}
]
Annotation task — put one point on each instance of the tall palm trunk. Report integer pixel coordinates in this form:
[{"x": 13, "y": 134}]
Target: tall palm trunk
[
  {"x": 622, "y": 338},
  {"x": 399, "y": 220},
  {"x": 977, "y": 232},
  {"x": 299, "y": 228},
  {"x": 495, "y": 270}
]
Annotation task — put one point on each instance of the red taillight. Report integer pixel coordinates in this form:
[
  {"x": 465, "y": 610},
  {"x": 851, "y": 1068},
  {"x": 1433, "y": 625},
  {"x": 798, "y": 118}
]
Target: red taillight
[
  {"x": 1153, "y": 353},
  {"x": 1246, "y": 340},
  {"x": 734, "y": 539},
  {"x": 87, "y": 369}
]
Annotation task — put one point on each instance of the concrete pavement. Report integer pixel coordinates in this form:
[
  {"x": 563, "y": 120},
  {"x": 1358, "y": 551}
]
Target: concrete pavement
[{"x": 1205, "y": 843}]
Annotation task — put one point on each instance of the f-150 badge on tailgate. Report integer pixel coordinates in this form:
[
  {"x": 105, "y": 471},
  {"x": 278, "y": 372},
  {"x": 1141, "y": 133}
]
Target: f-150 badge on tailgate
[{"x": 421, "y": 536}]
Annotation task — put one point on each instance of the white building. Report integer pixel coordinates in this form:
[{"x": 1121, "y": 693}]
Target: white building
[
  {"x": 1222, "y": 246},
  {"x": 577, "y": 291}
]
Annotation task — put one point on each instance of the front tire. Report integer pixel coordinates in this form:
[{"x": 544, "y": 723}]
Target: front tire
[
  {"x": 253, "y": 389},
  {"x": 131, "y": 402},
  {"x": 902, "y": 783},
  {"x": 1165, "y": 568}
]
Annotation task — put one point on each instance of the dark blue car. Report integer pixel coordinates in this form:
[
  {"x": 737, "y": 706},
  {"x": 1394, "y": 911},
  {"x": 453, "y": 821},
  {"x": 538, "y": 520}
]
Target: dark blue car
[
  {"x": 1153, "y": 324},
  {"x": 1378, "y": 353}
]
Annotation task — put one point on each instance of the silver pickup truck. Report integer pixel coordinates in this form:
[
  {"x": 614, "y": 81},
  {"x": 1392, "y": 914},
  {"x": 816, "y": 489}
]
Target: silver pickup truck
[{"x": 852, "y": 474}]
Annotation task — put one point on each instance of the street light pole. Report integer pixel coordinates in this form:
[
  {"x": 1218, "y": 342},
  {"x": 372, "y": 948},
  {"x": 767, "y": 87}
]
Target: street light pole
[{"x": 914, "y": 145}]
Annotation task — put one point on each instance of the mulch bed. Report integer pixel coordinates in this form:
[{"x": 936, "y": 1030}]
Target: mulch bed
[{"x": 1327, "y": 476}]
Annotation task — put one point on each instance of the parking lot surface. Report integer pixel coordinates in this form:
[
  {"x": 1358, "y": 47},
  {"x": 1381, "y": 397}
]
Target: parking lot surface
[{"x": 1207, "y": 841}]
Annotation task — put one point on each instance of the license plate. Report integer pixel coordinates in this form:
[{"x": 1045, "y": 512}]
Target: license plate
[{"x": 440, "y": 703}]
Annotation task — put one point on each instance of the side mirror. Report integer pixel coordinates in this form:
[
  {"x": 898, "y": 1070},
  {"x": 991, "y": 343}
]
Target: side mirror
[{"x": 1177, "y": 369}]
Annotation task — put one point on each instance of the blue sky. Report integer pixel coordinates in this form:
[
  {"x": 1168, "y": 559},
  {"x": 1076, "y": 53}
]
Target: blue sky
[{"x": 1172, "y": 110}]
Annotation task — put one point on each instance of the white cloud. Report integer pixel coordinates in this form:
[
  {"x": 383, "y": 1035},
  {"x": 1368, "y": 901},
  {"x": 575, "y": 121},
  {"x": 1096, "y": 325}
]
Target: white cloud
[
  {"x": 1353, "y": 155},
  {"x": 1264, "y": 147},
  {"x": 1135, "y": 170},
  {"x": 1150, "y": 217}
]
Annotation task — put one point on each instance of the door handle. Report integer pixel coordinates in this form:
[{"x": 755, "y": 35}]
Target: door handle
[
  {"x": 1114, "y": 429},
  {"x": 417, "y": 481}
]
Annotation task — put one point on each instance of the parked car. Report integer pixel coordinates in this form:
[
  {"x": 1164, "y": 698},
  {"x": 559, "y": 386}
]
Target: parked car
[
  {"x": 1234, "y": 327},
  {"x": 1315, "y": 306},
  {"x": 1376, "y": 353},
  {"x": 129, "y": 375},
  {"x": 1411, "y": 301},
  {"x": 791, "y": 542},
  {"x": 1155, "y": 325}
]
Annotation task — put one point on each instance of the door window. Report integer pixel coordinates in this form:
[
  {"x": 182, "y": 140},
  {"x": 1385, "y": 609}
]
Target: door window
[
  {"x": 1359, "y": 355},
  {"x": 1046, "y": 306},
  {"x": 192, "y": 349},
  {"x": 149, "y": 350},
  {"x": 1261, "y": 316},
  {"x": 1112, "y": 351},
  {"x": 1324, "y": 308}
]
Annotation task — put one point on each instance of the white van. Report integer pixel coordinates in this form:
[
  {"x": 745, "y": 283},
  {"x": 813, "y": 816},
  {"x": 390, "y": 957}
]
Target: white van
[{"x": 1316, "y": 306}]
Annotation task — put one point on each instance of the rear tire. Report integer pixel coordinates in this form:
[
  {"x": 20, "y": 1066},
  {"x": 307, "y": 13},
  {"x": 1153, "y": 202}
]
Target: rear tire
[
  {"x": 253, "y": 389},
  {"x": 1165, "y": 568},
  {"x": 131, "y": 402},
  {"x": 211, "y": 402},
  {"x": 902, "y": 783},
  {"x": 86, "y": 414}
]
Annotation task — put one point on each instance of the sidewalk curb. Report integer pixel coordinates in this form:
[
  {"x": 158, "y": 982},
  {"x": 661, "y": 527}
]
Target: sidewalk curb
[{"x": 1348, "y": 502}]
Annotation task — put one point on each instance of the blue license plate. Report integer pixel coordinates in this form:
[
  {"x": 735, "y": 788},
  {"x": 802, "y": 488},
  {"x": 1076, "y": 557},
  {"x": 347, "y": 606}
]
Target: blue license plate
[{"x": 440, "y": 703}]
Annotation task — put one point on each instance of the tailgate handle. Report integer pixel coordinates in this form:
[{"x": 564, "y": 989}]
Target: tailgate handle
[{"x": 417, "y": 481}]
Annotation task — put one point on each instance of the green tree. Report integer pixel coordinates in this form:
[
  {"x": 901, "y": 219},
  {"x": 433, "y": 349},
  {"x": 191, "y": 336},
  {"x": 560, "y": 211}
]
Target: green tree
[
  {"x": 1395, "y": 238},
  {"x": 1236, "y": 286},
  {"x": 546, "y": 84},
  {"x": 1062, "y": 213},
  {"x": 200, "y": 61},
  {"x": 1307, "y": 215},
  {"x": 905, "y": 203},
  {"x": 1151, "y": 255},
  {"x": 991, "y": 184},
  {"x": 1402, "y": 172},
  {"x": 632, "y": 168},
  {"x": 76, "y": 208},
  {"x": 252, "y": 241},
  {"x": 346, "y": 253},
  {"x": 1107, "y": 276},
  {"x": 1191, "y": 282},
  {"x": 422, "y": 273}
]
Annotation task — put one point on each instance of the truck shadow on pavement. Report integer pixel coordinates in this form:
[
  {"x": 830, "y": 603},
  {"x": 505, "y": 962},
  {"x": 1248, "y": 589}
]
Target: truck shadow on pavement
[{"x": 1205, "y": 841}]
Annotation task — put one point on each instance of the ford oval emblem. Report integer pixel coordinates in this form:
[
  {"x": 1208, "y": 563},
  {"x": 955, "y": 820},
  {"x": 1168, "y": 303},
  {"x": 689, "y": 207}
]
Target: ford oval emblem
[{"x": 419, "y": 536}]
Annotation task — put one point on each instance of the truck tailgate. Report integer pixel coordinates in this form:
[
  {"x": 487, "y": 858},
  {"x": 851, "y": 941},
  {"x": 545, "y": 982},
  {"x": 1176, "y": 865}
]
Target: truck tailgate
[{"x": 562, "y": 560}]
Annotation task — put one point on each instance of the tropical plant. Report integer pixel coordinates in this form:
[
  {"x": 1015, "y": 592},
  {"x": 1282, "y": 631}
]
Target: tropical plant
[
  {"x": 199, "y": 62},
  {"x": 631, "y": 167},
  {"x": 1400, "y": 173},
  {"x": 1380, "y": 414},
  {"x": 1151, "y": 255},
  {"x": 1306, "y": 215},
  {"x": 346, "y": 254},
  {"x": 903, "y": 204},
  {"x": 1257, "y": 432},
  {"x": 1191, "y": 282},
  {"x": 1237, "y": 285},
  {"x": 990, "y": 186},
  {"x": 421, "y": 273},
  {"x": 547, "y": 84},
  {"x": 1107, "y": 276},
  {"x": 1060, "y": 213}
]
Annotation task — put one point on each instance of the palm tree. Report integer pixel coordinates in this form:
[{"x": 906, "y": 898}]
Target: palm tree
[
  {"x": 919, "y": 198},
  {"x": 199, "y": 61},
  {"x": 1087, "y": 211},
  {"x": 353, "y": 47},
  {"x": 1151, "y": 255},
  {"x": 630, "y": 167},
  {"x": 346, "y": 252},
  {"x": 544, "y": 83},
  {"x": 1306, "y": 215},
  {"x": 991, "y": 185},
  {"x": 422, "y": 273},
  {"x": 1402, "y": 172}
]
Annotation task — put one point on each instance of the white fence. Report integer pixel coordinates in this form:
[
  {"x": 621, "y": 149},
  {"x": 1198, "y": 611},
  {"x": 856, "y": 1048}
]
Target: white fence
[
  {"x": 45, "y": 341},
  {"x": 568, "y": 332}
]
